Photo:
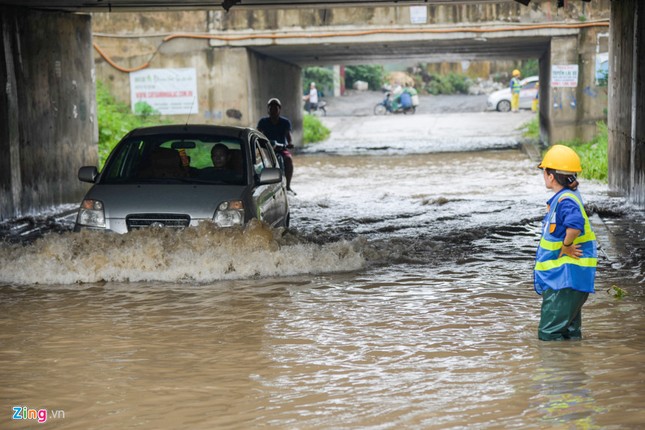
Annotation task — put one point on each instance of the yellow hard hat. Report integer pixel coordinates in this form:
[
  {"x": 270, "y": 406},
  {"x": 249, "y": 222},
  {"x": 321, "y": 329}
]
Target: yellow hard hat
[
  {"x": 516, "y": 72},
  {"x": 562, "y": 159}
]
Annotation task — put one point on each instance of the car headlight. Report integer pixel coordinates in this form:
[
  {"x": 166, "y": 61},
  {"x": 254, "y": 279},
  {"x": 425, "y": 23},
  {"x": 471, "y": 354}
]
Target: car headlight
[
  {"x": 91, "y": 213},
  {"x": 229, "y": 214}
]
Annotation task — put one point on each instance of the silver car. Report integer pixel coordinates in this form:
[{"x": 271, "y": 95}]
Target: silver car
[
  {"x": 501, "y": 100},
  {"x": 176, "y": 176}
]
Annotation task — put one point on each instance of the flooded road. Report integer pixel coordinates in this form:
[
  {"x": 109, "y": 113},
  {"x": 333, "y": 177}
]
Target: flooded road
[{"x": 401, "y": 298}]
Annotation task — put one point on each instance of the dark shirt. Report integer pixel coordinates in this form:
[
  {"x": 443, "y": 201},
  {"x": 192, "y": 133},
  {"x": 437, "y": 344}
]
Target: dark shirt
[{"x": 277, "y": 132}]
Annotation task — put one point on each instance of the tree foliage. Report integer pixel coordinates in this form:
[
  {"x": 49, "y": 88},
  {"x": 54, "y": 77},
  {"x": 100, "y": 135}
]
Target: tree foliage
[
  {"x": 116, "y": 119},
  {"x": 371, "y": 74},
  {"x": 452, "y": 83},
  {"x": 323, "y": 77}
]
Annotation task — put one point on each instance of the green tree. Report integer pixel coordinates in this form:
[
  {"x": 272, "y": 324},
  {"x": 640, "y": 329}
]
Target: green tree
[
  {"x": 530, "y": 68},
  {"x": 323, "y": 77},
  {"x": 373, "y": 75}
]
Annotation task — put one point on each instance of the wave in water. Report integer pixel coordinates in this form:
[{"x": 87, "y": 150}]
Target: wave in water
[{"x": 202, "y": 254}]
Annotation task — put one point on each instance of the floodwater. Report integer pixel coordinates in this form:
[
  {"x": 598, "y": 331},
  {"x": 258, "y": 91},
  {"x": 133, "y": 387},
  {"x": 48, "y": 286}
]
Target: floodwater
[{"x": 401, "y": 298}]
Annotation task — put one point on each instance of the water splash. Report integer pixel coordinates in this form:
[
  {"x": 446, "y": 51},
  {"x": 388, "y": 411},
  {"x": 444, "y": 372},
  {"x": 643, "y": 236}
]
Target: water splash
[{"x": 202, "y": 254}]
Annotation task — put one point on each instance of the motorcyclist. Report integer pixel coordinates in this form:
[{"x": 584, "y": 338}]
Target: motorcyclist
[{"x": 278, "y": 128}]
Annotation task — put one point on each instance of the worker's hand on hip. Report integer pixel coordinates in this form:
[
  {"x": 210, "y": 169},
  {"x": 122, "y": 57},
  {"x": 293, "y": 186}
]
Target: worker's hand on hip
[{"x": 572, "y": 251}]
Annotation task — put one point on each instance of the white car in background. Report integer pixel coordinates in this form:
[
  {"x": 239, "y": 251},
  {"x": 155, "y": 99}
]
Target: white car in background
[{"x": 501, "y": 100}]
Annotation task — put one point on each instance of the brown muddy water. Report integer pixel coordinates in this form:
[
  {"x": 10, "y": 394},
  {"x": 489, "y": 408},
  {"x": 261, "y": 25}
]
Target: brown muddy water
[{"x": 401, "y": 298}]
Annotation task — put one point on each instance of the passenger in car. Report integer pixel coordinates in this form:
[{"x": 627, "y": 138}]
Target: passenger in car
[{"x": 221, "y": 170}]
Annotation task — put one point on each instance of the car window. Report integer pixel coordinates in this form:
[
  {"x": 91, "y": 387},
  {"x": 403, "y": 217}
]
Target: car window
[
  {"x": 267, "y": 153},
  {"x": 179, "y": 158},
  {"x": 261, "y": 155},
  {"x": 529, "y": 85},
  {"x": 124, "y": 162}
]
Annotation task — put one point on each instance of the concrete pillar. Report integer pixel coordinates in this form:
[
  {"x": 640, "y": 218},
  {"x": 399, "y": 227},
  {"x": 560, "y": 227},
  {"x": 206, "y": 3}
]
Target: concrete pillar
[
  {"x": 637, "y": 180},
  {"x": 47, "y": 109},
  {"x": 544, "y": 96},
  {"x": 563, "y": 101},
  {"x": 626, "y": 121},
  {"x": 337, "y": 81},
  {"x": 269, "y": 78}
]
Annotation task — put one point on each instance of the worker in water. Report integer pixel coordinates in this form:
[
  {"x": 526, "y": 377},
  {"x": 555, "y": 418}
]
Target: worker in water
[
  {"x": 516, "y": 86},
  {"x": 565, "y": 264}
]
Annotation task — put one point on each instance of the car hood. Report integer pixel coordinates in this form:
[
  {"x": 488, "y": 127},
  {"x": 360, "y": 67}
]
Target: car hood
[
  {"x": 198, "y": 201},
  {"x": 500, "y": 93}
]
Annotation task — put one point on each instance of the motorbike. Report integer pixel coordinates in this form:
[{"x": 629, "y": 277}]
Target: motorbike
[
  {"x": 279, "y": 149},
  {"x": 386, "y": 106},
  {"x": 320, "y": 107},
  {"x": 282, "y": 153}
]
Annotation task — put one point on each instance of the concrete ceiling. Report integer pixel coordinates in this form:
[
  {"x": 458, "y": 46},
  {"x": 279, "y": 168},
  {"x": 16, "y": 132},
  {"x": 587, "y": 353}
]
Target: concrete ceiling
[
  {"x": 511, "y": 48},
  {"x": 469, "y": 48},
  {"x": 166, "y": 5}
]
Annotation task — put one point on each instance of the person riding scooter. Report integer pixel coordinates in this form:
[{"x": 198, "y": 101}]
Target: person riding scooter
[{"x": 278, "y": 128}]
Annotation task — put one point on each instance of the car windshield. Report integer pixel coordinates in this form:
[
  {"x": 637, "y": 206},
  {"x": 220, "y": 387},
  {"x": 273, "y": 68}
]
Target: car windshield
[{"x": 181, "y": 158}]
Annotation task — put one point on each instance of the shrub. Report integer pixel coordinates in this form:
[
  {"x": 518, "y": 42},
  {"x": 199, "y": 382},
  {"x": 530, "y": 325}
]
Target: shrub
[
  {"x": 593, "y": 154},
  {"x": 448, "y": 84},
  {"x": 313, "y": 130}
]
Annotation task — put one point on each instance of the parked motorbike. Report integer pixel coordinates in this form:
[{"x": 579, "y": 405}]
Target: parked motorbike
[
  {"x": 387, "y": 106},
  {"x": 320, "y": 107}
]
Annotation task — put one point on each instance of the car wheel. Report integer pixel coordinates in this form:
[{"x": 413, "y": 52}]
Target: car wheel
[
  {"x": 379, "y": 109},
  {"x": 504, "y": 106}
]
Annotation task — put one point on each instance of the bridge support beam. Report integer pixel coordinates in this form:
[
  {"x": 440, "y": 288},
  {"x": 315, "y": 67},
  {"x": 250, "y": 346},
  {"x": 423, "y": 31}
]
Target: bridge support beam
[
  {"x": 47, "y": 109},
  {"x": 626, "y": 121}
]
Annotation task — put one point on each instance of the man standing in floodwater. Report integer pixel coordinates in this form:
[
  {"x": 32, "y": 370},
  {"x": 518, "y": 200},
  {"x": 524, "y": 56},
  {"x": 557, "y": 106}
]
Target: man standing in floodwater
[{"x": 565, "y": 264}]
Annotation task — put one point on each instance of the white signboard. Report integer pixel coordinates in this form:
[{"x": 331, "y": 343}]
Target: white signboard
[
  {"x": 418, "y": 14},
  {"x": 169, "y": 91},
  {"x": 564, "y": 76}
]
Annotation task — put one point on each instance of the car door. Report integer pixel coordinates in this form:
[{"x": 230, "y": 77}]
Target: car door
[{"x": 266, "y": 196}]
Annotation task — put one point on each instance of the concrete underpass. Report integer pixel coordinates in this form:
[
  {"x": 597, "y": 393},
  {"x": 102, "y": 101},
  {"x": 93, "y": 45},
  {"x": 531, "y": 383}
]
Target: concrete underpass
[{"x": 48, "y": 109}]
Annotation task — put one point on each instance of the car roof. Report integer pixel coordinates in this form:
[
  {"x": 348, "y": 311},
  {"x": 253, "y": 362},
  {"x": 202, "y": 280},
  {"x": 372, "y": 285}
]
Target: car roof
[{"x": 229, "y": 131}]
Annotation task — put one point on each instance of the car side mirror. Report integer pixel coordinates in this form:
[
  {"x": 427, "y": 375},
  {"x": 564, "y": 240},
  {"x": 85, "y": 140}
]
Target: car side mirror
[
  {"x": 88, "y": 174},
  {"x": 270, "y": 175}
]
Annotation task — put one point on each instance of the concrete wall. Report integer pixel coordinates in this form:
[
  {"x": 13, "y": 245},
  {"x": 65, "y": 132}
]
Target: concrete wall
[
  {"x": 626, "y": 121},
  {"x": 574, "y": 112},
  {"x": 510, "y": 12},
  {"x": 47, "y": 109},
  {"x": 233, "y": 84}
]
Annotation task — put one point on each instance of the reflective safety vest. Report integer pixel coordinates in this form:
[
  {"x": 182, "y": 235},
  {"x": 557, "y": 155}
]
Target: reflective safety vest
[
  {"x": 516, "y": 85},
  {"x": 556, "y": 272}
]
